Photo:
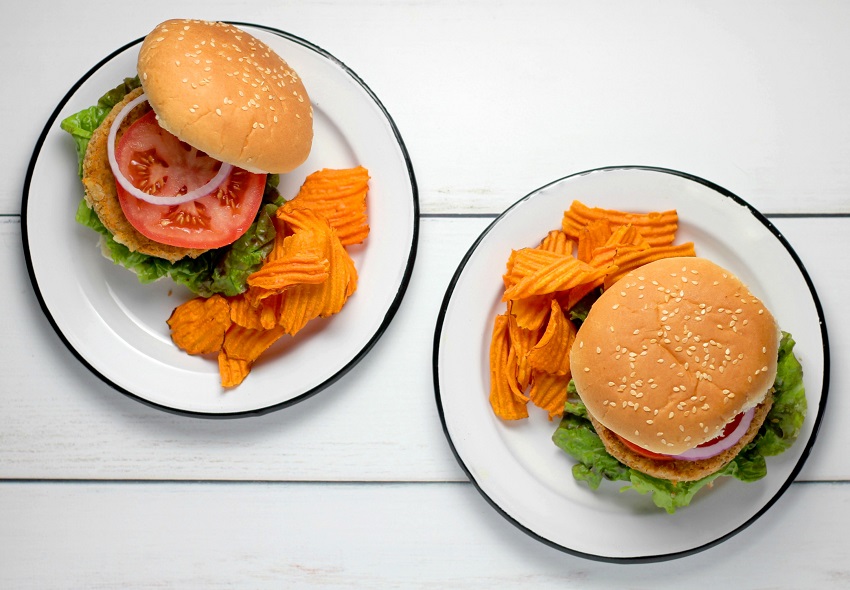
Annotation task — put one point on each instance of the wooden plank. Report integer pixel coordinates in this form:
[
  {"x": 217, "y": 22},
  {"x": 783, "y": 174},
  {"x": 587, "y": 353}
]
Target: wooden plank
[
  {"x": 544, "y": 89},
  {"x": 136, "y": 535}
]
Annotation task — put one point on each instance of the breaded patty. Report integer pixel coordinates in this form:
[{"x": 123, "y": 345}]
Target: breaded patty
[
  {"x": 102, "y": 196},
  {"x": 680, "y": 470}
]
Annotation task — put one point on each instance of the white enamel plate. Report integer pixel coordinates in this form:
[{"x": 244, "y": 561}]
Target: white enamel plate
[
  {"x": 517, "y": 467},
  {"x": 116, "y": 326}
]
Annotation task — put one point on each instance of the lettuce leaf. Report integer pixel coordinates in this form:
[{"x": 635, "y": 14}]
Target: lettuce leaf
[
  {"x": 223, "y": 270},
  {"x": 576, "y": 436},
  {"x": 81, "y": 125}
]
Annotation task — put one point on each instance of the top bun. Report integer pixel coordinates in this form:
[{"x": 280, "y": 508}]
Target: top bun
[
  {"x": 228, "y": 94},
  {"x": 672, "y": 352}
]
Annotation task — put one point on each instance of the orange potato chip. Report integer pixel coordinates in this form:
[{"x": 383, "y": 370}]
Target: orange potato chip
[
  {"x": 303, "y": 266},
  {"x": 627, "y": 235},
  {"x": 531, "y": 312},
  {"x": 270, "y": 309},
  {"x": 198, "y": 326},
  {"x": 301, "y": 304},
  {"x": 279, "y": 239},
  {"x": 551, "y": 354},
  {"x": 592, "y": 236},
  {"x": 562, "y": 273},
  {"x": 342, "y": 281},
  {"x": 232, "y": 371},
  {"x": 526, "y": 261},
  {"x": 629, "y": 260},
  {"x": 557, "y": 241},
  {"x": 658, "y": 228},
  {"x": 506, "y": 398},
  {"x": 549, "y": 392},
  {"x": 304, "y": 302},
  {"x": 244, "y": 313},
  {"x": 246, "y": 344},
  {"x": 340, "y": 197},
  {"x": 522, "y": 341}
]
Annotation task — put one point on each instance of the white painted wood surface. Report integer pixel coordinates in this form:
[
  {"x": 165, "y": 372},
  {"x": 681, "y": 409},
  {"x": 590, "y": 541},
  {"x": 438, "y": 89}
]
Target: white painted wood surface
[{"x": 356, "y": 486}]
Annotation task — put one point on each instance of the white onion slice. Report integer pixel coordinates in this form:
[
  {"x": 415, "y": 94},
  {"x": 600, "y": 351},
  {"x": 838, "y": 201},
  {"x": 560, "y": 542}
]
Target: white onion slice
[
  {"x": 727, "y": 442},
  {"x": 125, "y": 183}
]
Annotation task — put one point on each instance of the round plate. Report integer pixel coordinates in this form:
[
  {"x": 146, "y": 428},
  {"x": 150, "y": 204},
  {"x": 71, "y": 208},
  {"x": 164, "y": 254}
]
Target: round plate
[
  {"x": 116, "y": 326},
  {"x": 518, "y": 468}
]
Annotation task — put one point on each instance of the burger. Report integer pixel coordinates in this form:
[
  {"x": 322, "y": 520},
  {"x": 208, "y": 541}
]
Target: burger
[
  {"x": 179, "y": 161},
  {"x": 679, "y": 375}
]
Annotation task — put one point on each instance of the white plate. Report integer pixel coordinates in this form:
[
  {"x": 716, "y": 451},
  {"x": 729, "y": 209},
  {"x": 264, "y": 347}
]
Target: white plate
[
  {"x": 116, "y": 326},
  {"x": 518, "y": 468}
]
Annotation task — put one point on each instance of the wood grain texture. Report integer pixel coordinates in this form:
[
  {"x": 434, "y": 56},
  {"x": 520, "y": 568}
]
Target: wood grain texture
[
  {"x": 494, "y": 102},
  {"x": 255, "y": 535}
]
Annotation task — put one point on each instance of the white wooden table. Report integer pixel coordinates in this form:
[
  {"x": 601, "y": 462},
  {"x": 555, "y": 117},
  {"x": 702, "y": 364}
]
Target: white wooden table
[{"x": 357, "y": 486}]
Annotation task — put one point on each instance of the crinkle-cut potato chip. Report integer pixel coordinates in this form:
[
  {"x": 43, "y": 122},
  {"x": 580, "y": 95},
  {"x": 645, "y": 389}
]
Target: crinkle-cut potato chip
[
  {"x": 522, "y": 341},
  {"x": 247, "y": 344},
  {"x": 551, "y": 354},
  {"x": 590, "y": 237},
  {"x": 244, "y": 313},
  {"x": 564, "y": 273},
  {"x": 557, "y": 241},
  {"x": 506, "y": 398},
  {"x": 549, "y": 392},
  {"x": 304, "y": 302},
  {"x": 232, "y": 371},
  {"x": 628, "y": 260},
  {"x": 531, "y": 312},
  {"x": 658, "y": 228},
  {"x": 340, "y": 197},
  {"x": 627, "y": 235},
  {"x": 306, "y": 266},
  {"x": 526, "y": 261},
  {"x": 198, "y": 326}
]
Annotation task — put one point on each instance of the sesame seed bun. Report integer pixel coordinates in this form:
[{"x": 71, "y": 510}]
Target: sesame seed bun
[
  {"x": 672, "y": 352},
  {"x": 228, "y": 94}
]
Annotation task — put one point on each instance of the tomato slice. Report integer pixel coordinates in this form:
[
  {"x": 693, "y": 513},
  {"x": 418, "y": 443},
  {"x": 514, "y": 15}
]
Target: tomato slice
[
  {"x": 159, "y": 163},
  {"x": 644, "y": 452},
  {"x": 727, "y": 430}
]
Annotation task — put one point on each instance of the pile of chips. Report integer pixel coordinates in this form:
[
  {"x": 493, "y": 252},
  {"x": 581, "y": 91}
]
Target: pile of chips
[
  {"x": 308, "y": 274},
  {"x": 531, "y": 340}
]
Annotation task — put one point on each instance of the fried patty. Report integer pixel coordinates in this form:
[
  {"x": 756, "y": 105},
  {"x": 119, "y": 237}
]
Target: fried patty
[
  {"x": 102, "y": 195},
  {"x": 678, "y": 469}
]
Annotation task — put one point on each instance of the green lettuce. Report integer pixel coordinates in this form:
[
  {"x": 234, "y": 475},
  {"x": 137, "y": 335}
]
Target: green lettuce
[
  {"x": 576, "y": 436},
  {"x": 223, "y": 270},
  {"x": 81, "y": 125}
]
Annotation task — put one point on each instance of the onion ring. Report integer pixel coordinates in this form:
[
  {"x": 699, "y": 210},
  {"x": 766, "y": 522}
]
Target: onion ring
[{"x": 216, "y": 181}]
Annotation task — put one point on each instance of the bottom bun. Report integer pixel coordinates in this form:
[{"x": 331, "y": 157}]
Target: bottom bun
[{"x": 680, "y": 469}]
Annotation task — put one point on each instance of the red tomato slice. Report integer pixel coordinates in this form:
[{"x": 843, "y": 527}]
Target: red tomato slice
[
  {"x": 727, "y": 430},
  {"x": 158, "y": 163},
  {"x": 646, "y": 453}
]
